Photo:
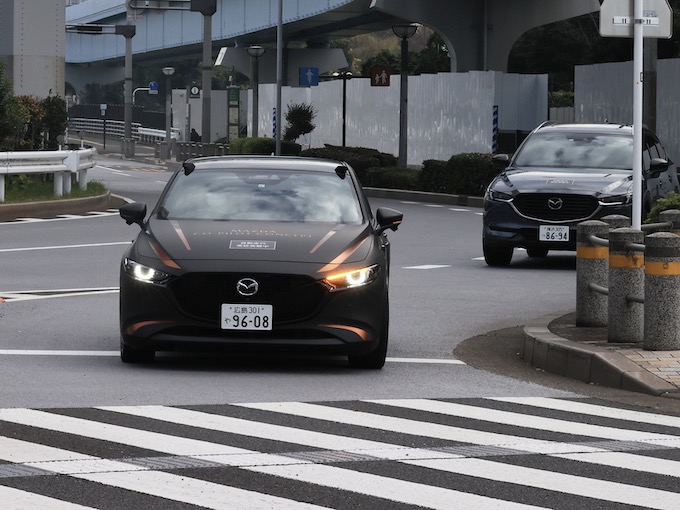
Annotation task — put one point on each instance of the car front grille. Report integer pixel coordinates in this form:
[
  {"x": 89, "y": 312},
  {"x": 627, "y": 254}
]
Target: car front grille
[
  {"x": 555, "y": 207},
  {"x": 293, "y": 297}
]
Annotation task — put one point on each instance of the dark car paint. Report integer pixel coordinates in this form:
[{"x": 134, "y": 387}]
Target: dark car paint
[
  {"x": 349, "y": 321},
  {"x": 504, "y": 227}
]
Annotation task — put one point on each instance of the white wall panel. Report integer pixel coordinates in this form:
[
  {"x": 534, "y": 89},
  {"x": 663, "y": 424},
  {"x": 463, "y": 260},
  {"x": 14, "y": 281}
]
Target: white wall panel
[{"x": 449, "y": 113}]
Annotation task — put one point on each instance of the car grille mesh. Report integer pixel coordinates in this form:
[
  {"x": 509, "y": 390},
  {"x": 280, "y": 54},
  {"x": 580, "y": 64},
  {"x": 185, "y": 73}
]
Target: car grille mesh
[
  {"x": 293, "y": 297},
  {"x": 555, "y": 207}
]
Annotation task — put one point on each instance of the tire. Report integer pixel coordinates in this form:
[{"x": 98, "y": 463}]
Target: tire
[
  {"x": 537, "y": 253},
  {"x": 131, "y": 355},
  {"x": 497, "y": 256},
  {"x": 375, "y": 359}
]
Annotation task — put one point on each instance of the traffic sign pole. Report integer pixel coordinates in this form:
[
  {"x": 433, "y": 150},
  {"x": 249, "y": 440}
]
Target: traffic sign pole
[{"x": 638, "y": 58}]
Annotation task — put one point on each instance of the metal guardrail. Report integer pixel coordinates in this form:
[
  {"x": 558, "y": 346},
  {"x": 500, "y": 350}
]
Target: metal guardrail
[
  {"x": 116, "y": 128},
  {"x": 619, "y": 268},
  {"x": 59, "y": 163}
]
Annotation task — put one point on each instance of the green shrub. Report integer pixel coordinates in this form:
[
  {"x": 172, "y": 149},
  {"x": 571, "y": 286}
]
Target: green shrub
[
  {"x": 672, "y": 201},
  {"x": 392, "y": 178},
  {"x": 435, "y": 177},
  {"x": 470, "y": 173},
  {"x": 263, "y": 146},
  {"x": 359, "y": 158}
]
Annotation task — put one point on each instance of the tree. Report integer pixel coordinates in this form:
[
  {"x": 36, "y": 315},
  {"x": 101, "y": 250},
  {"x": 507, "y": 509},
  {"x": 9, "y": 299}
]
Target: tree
[
  {"x": 55, "y": 120},
  {"x": 299, "y": 117}
]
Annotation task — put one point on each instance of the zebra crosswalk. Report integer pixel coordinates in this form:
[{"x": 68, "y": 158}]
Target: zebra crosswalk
[{"x": 501, "y": 453}]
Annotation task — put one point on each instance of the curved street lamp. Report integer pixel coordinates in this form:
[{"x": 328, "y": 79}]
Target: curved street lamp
[
  {"x": 168, "y": 72},
  {"x": 404, "y": 32},
  {"x": 255, "y": 53}
]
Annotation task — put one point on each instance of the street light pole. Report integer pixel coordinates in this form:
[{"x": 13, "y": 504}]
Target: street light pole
[
  {"x": 404, "y": 32},
  {"x": 255, "y": 53},
  {"x": 168, "y": 72},
  {"x": 344, "y": 76}
]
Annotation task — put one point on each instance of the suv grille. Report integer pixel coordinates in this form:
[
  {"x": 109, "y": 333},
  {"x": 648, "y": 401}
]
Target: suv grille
[
  {"x": 555, "y": 207},
  {"x": 293, "y": 297}
]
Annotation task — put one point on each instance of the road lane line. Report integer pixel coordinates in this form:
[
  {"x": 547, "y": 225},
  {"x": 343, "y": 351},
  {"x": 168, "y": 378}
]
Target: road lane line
[{"x": 64, "y": 247}]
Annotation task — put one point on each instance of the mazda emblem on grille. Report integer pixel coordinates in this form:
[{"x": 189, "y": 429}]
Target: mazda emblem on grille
[
  {"x": 247, "y": 287},
  {"x": 555, "y": 204}
]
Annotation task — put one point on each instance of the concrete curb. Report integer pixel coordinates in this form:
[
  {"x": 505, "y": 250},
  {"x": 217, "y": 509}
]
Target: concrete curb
[
  {"x": 51, "y": 208},
  {"x": 423, "y": 196},
  {"x": 591, "y": 364}
]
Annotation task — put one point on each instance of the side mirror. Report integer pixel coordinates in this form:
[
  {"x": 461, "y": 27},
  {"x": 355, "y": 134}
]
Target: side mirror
[
  {"x": 657, "y": 165},
  {"x": 133, "y": 213},
  {"x": 500, "y": 160},
  {"x": 388, "y": 219}
]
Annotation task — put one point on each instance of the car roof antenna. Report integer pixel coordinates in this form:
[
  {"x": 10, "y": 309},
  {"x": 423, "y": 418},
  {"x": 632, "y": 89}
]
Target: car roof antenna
[
  {"x": 188, "y": 167},
  {"x": 341, "y": 171}
]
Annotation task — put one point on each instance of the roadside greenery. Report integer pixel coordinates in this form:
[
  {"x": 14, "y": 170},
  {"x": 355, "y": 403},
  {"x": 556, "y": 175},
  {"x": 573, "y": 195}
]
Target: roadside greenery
[{"x": 24, "y": 188}]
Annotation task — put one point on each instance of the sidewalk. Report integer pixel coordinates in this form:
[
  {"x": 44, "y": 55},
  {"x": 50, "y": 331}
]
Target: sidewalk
[{"x": 555, "y": 344}]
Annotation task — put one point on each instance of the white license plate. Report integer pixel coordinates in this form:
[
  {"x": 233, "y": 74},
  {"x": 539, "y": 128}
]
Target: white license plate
[
  {"x": 553, "y": 233},
  {"x": 246, "y": 317}
]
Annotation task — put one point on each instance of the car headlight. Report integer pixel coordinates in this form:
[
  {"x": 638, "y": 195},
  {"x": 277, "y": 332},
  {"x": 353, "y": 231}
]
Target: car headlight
[
  {"x": 624, "y": 199},
  {"x": 353, "y": 278},
  {"x": 145, "y": 274},
  {"x": 497, "y": 196}
]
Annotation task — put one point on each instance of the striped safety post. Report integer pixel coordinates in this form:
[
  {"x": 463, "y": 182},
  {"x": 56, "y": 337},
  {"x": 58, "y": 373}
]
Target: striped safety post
[
  {"x": 592, "y": 267},
  {"x": 626, "y": 279},
  {"x": 494, "y": 137},
  {"x": 274, "y": 123},
  {"x": 662, "y": 292}
]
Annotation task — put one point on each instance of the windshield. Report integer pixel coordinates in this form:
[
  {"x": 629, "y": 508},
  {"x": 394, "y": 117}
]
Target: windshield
[
  {"x": 577, "y": 150},
  {"x": 264, "y": 195}
]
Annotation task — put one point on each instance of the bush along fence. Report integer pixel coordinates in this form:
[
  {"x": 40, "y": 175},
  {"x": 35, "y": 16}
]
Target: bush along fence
[{"x": 628, "y": 280}]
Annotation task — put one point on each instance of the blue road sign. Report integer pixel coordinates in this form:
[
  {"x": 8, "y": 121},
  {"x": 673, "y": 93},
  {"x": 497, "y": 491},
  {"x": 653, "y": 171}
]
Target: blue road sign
[
  {"x": 153, "y": 87},
  {"x": 309, "y": 76}
]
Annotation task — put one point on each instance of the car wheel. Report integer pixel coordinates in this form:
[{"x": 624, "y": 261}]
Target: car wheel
[
  {"x": 131, "y": 355},
  {"x": 497, "y": 256},
  {"x": 537, "y": 253},
  {"x": 376, "y": 358}
]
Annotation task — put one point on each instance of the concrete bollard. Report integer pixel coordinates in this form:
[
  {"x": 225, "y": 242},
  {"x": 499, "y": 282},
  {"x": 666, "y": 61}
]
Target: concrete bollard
[
  {"x": 626, "y": 278},
  {"x": 616, "y": 221},
  {"x": 592, "y": 266},
  {"x": 662, "y": 292},
  {"x": 671, "y": 216}
]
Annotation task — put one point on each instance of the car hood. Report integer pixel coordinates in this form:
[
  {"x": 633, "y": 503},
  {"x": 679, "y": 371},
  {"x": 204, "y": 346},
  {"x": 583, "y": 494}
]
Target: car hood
[
  {"x": 195, "y": 240},
  {"x": 596, "y": 181}
]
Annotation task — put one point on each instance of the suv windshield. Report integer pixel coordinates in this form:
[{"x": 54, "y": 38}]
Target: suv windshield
[
  {"x": 265, "y": 195},
  {"x": 577, "y": 150}
]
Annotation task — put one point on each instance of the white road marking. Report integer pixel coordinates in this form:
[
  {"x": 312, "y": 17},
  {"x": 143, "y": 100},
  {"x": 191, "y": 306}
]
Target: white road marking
[
  {"x": 458, "y": 210},
  {"x": 427, "y": 266},
  {"x": 433, "y": 361},
  {"x": 44, "y": 352},
  {"x": 23, "y": 221},
  {"x": 64, "y": 247}
]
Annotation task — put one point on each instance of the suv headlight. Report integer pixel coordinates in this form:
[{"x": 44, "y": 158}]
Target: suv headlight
[
  {"x": 352, "y": 279},
  {"x": 145, "y": 274},
  {"x": 498, "y": 196},
  {"x": 624, "y": 199}
]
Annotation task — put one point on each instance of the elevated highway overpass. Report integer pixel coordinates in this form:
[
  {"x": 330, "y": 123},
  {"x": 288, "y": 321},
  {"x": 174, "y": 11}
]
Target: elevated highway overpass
[{"x": 478, "y": 33}]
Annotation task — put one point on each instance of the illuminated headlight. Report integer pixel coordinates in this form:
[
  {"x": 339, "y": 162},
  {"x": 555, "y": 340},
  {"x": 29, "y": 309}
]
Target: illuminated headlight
[
  {"x": 145, "y": 274},
  {"x": 352, "y": 279},
  {"x": 498, "y": 196},
  {"x": 625, "y": 199}
]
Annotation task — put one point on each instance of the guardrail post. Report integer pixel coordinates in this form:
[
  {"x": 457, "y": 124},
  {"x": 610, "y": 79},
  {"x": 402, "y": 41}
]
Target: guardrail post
[
  {"x": 2, "y": 188},
  {"x": 662, "y": 292},
  {"x": 626, "y": 278},
  {"x": 591, "y": 266},
  {"x": 58, "y": 184}
]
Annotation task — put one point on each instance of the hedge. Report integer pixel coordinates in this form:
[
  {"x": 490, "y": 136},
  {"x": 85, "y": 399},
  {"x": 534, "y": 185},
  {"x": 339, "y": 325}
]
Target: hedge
[{"x": 263, "y": 146}]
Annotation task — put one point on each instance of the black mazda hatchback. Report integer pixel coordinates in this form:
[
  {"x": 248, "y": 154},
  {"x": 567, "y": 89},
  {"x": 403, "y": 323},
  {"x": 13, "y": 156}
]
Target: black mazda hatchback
[
  {"x": 561, "y": 175},
  {"x": 270, "y": 252}
]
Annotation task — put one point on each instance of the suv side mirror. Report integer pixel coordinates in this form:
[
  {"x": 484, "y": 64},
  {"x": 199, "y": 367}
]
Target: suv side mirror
[
  {"x": 656, "y": 166},
  {"x": 500, "y": 160}
]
